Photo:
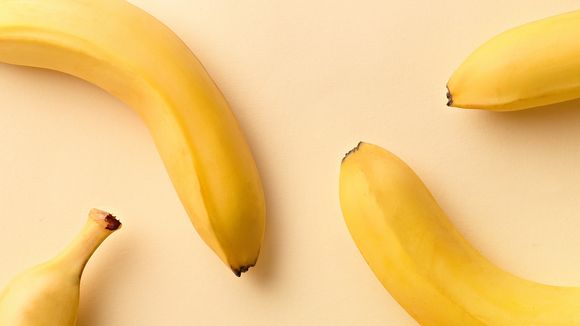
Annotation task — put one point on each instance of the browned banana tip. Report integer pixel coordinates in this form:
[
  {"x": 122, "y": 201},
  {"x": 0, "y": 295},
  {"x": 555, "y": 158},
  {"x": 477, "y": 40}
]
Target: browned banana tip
[
  {"x": 107, "y": 220},
  {"x": 241, "y": 270},
  {"x": 352, "y": 151},
  {"x": 449, "y": 97}
]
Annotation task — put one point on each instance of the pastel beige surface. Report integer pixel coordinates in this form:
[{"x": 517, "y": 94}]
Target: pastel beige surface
[{"x": 307, "y": 80}]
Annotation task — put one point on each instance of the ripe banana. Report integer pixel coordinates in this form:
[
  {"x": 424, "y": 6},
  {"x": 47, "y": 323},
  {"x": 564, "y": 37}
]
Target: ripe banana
[
  {"x": 48, "y": 294},
  {"x": 133, "y": 56},
  {"x": 532, "y": 65},
  {"x": 425, "y": 263}
]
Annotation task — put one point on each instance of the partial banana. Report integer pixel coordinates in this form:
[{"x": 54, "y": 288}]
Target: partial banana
[
  {"x": 425, "y": 263},
  {"x": 532, "y": 65},
  {"x": 48, "y": 294},
  {"x": 133, "y": 56}
]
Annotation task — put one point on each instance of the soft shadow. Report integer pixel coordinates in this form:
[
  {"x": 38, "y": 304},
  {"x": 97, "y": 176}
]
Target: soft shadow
[
  {"x": 265, "y": 270},
  {"x": 266, "y": 267},
  {"x": 550, "y": 130},
  {"x": 565, "y": 113}
]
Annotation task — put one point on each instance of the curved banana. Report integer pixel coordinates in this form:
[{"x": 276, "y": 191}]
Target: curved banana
[
  {"x": 130, "y": 54},
  {"x": 48, "y": 294},
  {"x": 425, "y": 263},
  {"x": 532, "y": 65}
]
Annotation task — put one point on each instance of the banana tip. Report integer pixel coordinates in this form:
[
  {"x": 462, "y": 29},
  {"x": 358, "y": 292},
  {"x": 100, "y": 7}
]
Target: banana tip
[
  {"x": 449, "y": 96},
  {"x": 239, "y": 271},
  {"x": 352, "y": 150}
]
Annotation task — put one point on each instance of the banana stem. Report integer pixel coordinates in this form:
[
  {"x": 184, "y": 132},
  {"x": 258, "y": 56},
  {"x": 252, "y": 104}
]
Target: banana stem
[{"x": 98, "y": 227}]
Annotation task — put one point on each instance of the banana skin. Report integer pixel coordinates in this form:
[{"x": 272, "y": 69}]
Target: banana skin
[
  {"x": 48, "y": 294},
  {"x": 133, "y": 56},
  {"x": 533, "y": 65},
  {"x": 414, "y": 250}
]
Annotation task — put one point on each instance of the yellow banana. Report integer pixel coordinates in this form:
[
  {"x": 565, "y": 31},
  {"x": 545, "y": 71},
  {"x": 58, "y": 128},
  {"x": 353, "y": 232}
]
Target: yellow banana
[
  {"x": 48, "y": 294},
  {"x": 425, "y": 263},
  {"x": 133, "y": 56},
  {"x": 532, "y": 65}
]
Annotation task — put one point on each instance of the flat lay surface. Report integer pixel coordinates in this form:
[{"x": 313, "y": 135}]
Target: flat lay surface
[{"x": 307, "y": 80}]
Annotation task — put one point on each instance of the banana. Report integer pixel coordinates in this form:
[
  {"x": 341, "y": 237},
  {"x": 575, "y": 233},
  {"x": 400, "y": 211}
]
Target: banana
[
  {"x": 134, "y": 57},
  {"x": 48, "y": 294},
  {"x": 425, "y": 263},
  {"x": 532, "y": 65}
]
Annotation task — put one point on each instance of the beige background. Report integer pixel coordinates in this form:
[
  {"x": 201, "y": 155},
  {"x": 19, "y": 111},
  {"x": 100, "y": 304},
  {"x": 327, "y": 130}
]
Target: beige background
[{"x": 307, "y": 79}]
